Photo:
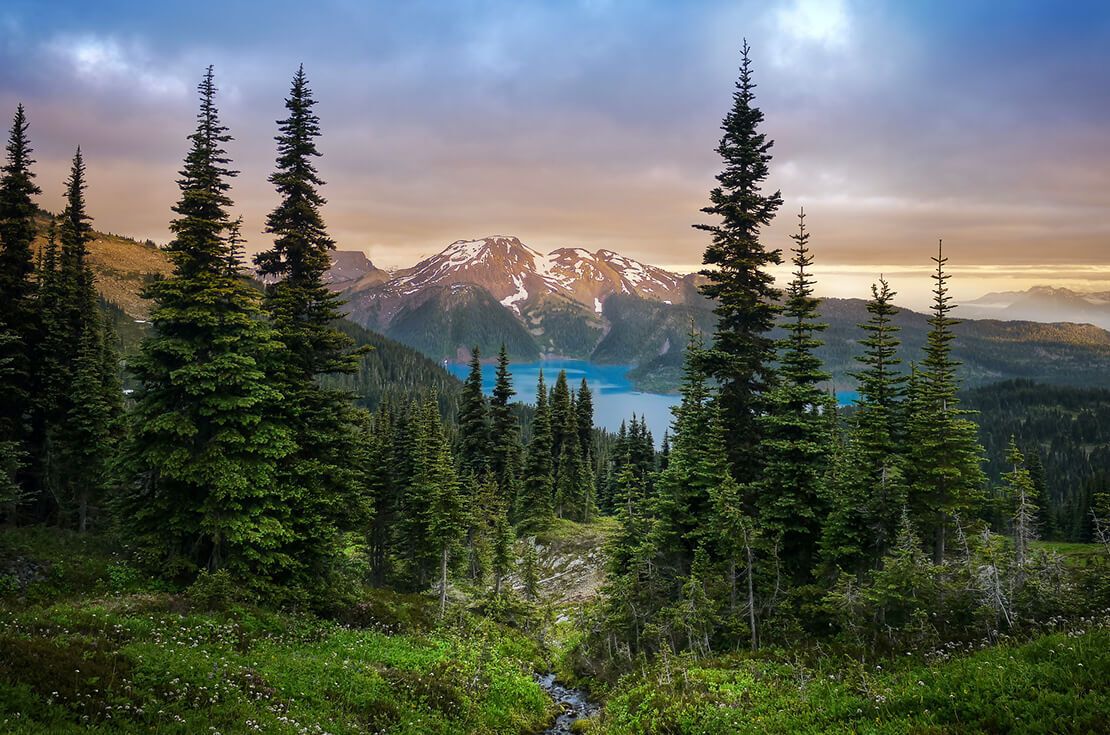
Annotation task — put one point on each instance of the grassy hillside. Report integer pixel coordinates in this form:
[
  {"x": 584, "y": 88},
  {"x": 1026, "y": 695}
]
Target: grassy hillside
[
  {"x": 1058, "y": 683},
  {"x": 88, "y": 644},
  {"x": 122, "y": 267}
]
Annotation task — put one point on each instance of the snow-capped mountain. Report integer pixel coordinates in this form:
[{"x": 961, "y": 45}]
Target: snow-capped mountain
[
  {"x": 518, "y": 276},
  {"x": 498, "y": 289}
]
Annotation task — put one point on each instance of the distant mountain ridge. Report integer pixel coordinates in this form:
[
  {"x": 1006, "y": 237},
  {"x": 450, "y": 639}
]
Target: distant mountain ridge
[
  {"x": 445, "y": 313},
  {"x": 609, "y": 308},
  {"x": 1041, "y": 304}
]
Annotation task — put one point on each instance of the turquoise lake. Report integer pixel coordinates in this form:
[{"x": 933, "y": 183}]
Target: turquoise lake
[{"x": 615, "y": 398}]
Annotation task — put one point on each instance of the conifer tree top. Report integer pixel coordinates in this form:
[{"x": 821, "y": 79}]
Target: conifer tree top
[
  {"x": 301, "y": 240},
  {"x": 199, "y": 244}
]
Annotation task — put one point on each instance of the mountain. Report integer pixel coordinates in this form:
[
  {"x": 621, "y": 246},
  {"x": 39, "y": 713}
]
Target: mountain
[
  {"x": 1041, "y": 304},
  {"x": 556, "y": 301},
  {"x": 609, "y": 308},
  {"x": 519, "y": 277}
]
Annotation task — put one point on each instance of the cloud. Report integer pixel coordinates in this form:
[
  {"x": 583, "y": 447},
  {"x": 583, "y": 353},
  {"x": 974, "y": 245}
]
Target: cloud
[
  {"x": 822, "y": 22},
  {"x": 106, "y": 62}
]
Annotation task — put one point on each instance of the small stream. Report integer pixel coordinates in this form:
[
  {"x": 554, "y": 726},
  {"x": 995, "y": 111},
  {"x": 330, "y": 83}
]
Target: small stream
[{"x": 575, "y": 706}]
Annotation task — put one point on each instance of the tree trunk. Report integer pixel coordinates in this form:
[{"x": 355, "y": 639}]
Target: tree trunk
[
  {"x": 732, "y": 587},
  {"x": 938, "y": 540},
  {"x": 751, "y": 598},
  {"x": 443, "y": 583},
  {"x": 83, "y": 510}
]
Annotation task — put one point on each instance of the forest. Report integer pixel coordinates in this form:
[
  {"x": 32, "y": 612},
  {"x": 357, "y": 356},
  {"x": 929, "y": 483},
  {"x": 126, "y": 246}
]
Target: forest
[{"x": 288, "y": 523}]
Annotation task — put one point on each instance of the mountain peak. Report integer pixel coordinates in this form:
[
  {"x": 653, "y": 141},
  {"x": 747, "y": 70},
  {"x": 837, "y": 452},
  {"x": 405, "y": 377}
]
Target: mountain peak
[{"x": 520, "y": 277}]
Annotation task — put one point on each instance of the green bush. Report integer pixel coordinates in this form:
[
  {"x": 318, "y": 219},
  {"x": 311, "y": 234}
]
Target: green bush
[{"x": 214, "y": 590}]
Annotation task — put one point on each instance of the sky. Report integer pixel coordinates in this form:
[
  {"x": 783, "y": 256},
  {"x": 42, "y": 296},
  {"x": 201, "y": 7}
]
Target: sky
[{"x": 593, "y": 123}]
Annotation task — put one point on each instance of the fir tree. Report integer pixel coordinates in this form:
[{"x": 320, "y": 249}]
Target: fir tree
[
  {"x": 868, "y": 493},
  {"x": 737, "y": 540},
  {"x": 88, "y": 398},
  {"x": 413, "y": 451},
  {"x": 1040, "y": 488},
  {"x": 584, "y": 409},
  {"x": 380, "y": 483},
  {"x": 1022, "y": 497},
  {"x": 17, "y": 229},
  {"x": 506, "y": 453},
  {"x": 11, "y": 451},
  {"x": 738, "y": 281},
  {"x": 797, "y": 440},
  {"x": 534, "y": 508},
  {"x": 474, "y": 424},
  {"x": 574, "y": 481},
  {"x": 698, "y": 464},
  {"x": 438, "y": 486},
  {"x": 303, "y": 311},
  {"x": 947, "y": 476},
  {"x": 530, "y": 569},
  {"x": 501, "y": 549},
  {"x": 564, "y": 427},
  {"x": 207, "y": 441},
  {"x": 17, "y": 314}
]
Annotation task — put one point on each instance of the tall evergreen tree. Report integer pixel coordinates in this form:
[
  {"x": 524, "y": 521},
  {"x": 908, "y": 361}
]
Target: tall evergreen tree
[
  {"x": 303, "y": 311},
  {"x": 574, "y": 486},
  {"x": 738, "y": 281},
  {"x": 564, "y": 427},
  {"x": 502, "y": 557},
  {"x": 584, "y": 409},
  {"x": 868, "y": 494},
  {"x": 17, "y": 314},
  {"x": 88, "y": 392},
  {"x": 381, "y": 485},
  {"x": 946, "y": 461},
  {"x": 438, "y": 485},
  {"x": 415, "y": 451},
  {"x": 534, "y": 504},
  {"x": 474, "y": 424},
  {"x": 1040, "y": 488},
  {"x": 684, "y": 491},
  {"x": 207, "y": 438},
  {"x": 797, "y": 438},
  {"x": 506, "y": 453}
]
